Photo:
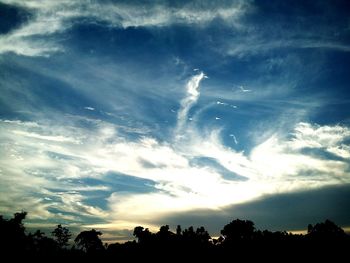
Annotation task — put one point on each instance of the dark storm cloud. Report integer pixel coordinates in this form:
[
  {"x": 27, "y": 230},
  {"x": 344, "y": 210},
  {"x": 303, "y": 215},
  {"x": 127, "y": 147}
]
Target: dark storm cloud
[{"x": 291, "y": 211}]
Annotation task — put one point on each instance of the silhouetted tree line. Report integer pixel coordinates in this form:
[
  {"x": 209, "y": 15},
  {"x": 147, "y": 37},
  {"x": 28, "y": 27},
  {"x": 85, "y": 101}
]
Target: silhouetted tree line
[{"x": 239, "y": 238}]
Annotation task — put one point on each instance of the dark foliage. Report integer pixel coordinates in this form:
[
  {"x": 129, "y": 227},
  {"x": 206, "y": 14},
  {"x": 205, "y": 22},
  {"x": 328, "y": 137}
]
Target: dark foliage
[
  {"x": 239, "y": 239},
  {"x": 326, "y": 231},
  {"x": 89, "y": 241},
  {"x": 61, "y": 235}
]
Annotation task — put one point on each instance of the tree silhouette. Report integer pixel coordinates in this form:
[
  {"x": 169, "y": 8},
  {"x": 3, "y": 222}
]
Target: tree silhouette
[
  {"x": 202, "y": 235},
  {"x": 12, "y": 232},
  {"x": 238, "y": 230},
  {"x": 61, "y": 236},
  {"x": 326, "y": 231},
  {"x": 164, "y": 235},
  {"x": 40, "y": 243},
  {"x": 143, "y": 235},
  {"x": 178, "y": 230},
  {"x": 240, "y": 236},
  {"x": 164, "y": 230},
  {"x": 89, "y": 241},
  {"x": 138, "y": 232}
]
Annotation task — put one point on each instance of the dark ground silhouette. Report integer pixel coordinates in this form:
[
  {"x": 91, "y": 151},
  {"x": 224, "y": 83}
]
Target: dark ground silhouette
[{"x": 239, "y": 239}]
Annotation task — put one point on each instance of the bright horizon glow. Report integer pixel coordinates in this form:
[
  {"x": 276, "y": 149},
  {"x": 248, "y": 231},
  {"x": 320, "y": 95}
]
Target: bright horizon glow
[
  {"x": 117, "y": 114},
  {"x": 269, "y": 169}
]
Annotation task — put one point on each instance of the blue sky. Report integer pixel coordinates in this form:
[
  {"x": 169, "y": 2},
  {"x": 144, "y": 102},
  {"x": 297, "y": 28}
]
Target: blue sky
[{"x": 115, "y": 114}]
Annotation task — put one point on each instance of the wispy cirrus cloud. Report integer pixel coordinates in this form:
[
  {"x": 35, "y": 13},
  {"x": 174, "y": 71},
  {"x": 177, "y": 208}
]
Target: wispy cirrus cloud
[
  {"x": 31, "y": 38},
  {"x": 43, "y": 35},
  {"x": 259, "y": 45},
  {"x": 187, "y": 102},
  {"x": 44, "y": 158},
  {"x": 37, "y": 36},
  {"x": 117, "y": 125}
]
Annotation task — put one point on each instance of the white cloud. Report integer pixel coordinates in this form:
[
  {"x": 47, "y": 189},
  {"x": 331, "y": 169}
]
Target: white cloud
[
  {"x": 193, "y": 93},
  {"x": 30, "y": 38},
  {"x": 226, "y": 104},
  {"x": 47, "y": 158},
  {"x": 258, "y": 41},
  {"x": 158, "y": 14},
  {"x": 44, "y": 137},
  {"x": 53, "y": 17},
  {"x": 284, "y": 157},
  {"x": 316, "y": 136},
  {"x": 221, "y": 103},
  {"x": 341, "y": 151},
  {"x": 234, "y": 138},
  {"x": 26, "y": 46},
  {"x": 243, "y": 89},
  {"x": 89, "y": 108}
]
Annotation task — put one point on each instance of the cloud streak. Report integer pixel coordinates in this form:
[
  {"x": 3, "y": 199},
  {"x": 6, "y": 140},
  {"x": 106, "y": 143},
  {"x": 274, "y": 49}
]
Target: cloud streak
[
  {"x": 192, "y": 89},
  {"x": 44, "y": 158},
  {"x": 126, "y": 135},
  {"x": 42, "y": 34},
  {"x": 33, "y": 38}
]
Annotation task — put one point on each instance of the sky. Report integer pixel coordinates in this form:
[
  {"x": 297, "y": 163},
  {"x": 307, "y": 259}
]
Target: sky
[{"x": 115, "y": 114}]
